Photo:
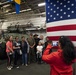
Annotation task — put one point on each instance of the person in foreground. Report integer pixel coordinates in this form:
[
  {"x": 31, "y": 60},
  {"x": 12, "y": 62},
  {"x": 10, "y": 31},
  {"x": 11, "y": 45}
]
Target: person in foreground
[{"x": 61, "y": 61}]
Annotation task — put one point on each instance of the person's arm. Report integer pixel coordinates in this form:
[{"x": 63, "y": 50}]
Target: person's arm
[
  {"x": 26, "y": 46},
  {"x": 48, "y": 58},
  {"x": 33, "y": 44},
  {"x": 14, "y": 46},
  {"x": 28, "y": 43},
  {"x": 10, "y": 49}
]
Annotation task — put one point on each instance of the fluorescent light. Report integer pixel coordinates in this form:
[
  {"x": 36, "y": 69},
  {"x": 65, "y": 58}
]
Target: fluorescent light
[
  {"x": 25, "y": 10},
  {"x": 6, "y": 5},
  {"x": 20, "y": 11},
  {"x": 41, "y": 4}
]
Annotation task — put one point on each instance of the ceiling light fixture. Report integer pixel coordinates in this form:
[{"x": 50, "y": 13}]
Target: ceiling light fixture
[
  {"x": 20, "y": 11},
  {"x": 6, "y": 5},
  {"x": 41, "y": 4},
  {"x": 26, "y": 10}
]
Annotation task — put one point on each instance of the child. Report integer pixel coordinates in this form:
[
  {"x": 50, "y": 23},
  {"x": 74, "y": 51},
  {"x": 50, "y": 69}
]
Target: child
[{"x": 39, "y": 52}]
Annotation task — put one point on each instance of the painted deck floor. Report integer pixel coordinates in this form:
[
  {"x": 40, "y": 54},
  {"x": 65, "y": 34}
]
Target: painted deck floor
[{"x": 32, "y": 69}]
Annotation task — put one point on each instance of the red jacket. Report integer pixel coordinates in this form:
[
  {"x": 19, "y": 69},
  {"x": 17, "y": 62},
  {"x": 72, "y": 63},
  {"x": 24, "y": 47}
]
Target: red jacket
[{"x": 56, "y": 62}]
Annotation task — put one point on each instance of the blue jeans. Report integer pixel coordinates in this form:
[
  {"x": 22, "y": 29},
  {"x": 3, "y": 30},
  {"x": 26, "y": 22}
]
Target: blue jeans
[{"x": 24, "y": 58}]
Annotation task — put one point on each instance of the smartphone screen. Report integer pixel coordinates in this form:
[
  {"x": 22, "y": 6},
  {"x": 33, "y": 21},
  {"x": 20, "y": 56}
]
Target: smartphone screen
[{"x": 54, "y": 43}]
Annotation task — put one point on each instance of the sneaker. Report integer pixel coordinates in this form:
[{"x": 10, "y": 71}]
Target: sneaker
[
  {"x": 11, "y": 67},
  {"x": 8, "y": 68},
  {"x": 26, "y": 65},
  {"x": 17, "y": 67}
]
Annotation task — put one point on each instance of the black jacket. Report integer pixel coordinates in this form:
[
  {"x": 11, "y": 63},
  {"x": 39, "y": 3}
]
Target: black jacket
[{"x": 24, "y": 48}]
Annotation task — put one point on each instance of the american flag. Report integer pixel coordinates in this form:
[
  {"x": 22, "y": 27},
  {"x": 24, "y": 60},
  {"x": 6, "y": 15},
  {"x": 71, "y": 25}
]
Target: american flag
[{"x": 61, "y": 19}]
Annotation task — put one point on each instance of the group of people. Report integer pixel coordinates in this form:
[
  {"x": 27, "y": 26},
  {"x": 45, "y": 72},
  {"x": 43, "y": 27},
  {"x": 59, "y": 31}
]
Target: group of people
[
  {"x": 27, "y": 50},
  {"x": 16, "y": 50},
  {"x": 34, "y": 49}
]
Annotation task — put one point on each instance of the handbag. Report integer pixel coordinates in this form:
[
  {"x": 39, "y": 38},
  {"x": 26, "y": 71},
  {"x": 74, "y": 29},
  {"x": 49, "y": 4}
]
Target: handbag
[
  {"x": 19, "y": 52},
  {"x": 10, "y": 53}
]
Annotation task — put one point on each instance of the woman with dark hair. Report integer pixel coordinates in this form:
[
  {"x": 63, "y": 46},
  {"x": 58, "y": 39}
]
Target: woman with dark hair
[
  {"x": 62, "y": 60},
  {"x": 16, "y": 48},
  {"x": 9, "y": 51}
]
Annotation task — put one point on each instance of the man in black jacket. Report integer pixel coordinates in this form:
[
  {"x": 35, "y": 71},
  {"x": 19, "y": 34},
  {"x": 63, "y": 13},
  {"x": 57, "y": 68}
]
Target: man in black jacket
[{"x": 36, "y": 43}]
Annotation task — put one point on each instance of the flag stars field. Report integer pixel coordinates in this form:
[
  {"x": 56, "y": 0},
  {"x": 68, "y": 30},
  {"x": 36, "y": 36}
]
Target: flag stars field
[{"x": 62, "y": 19}]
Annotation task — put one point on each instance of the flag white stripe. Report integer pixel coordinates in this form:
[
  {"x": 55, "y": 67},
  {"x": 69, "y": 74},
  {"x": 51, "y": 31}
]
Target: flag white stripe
[
  {"x": 60, "y": 33},
  {"x": 61, "y": 23}
]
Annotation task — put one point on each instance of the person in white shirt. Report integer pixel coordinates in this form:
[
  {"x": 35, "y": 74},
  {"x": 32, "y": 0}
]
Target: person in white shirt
[{"x": 39, "y": 52}]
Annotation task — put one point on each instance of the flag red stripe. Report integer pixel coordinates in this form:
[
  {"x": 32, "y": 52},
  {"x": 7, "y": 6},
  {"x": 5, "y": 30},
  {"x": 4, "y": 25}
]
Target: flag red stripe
[
  {"x": 56, "y": 38},
  {"x": 61, "y": 28}
]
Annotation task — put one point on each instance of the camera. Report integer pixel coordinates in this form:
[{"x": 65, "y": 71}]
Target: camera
[{"x": 54, "y": 43}]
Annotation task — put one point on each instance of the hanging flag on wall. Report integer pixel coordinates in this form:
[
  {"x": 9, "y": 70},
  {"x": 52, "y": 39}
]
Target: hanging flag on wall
[
  {"x": 61, "y": 19},
  {"x": 17, "y": 5}
]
